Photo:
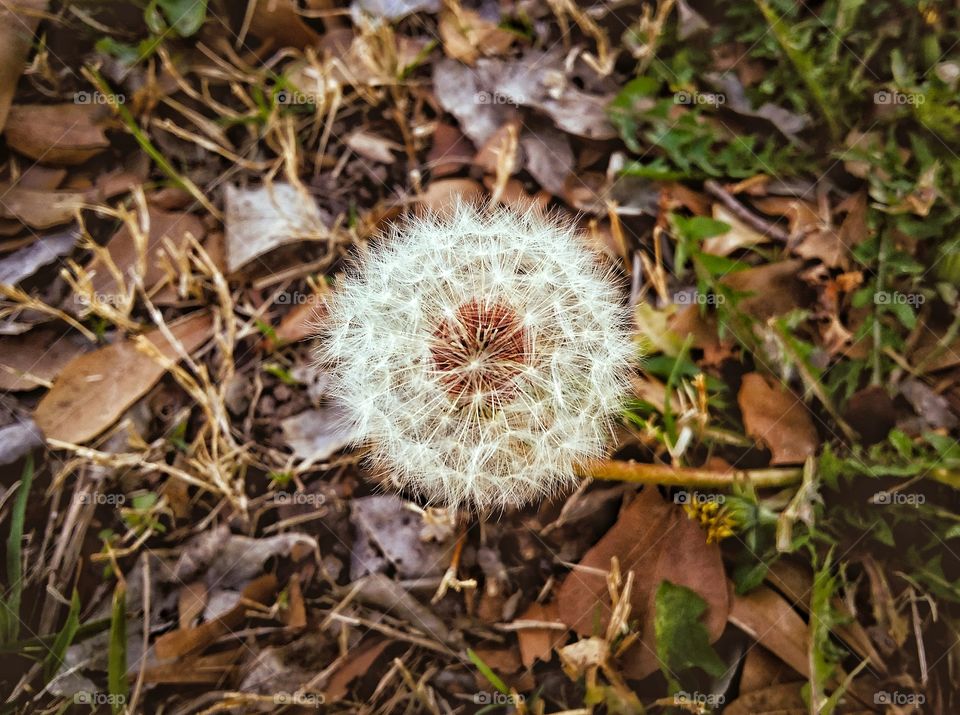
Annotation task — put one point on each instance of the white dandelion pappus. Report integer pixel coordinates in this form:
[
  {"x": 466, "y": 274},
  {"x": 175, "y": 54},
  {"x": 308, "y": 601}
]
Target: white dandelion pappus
[{"x": 482, "y": 356}]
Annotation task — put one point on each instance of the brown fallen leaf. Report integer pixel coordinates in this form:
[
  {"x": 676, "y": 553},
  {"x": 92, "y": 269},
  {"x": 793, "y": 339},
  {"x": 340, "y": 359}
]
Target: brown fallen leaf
[
  {"x": 450, "y": 151},
  {"x": 199, "y": 670},
  {"x": 40, "y": 209},
  {"x": 18, "y": 22},
  {"x": 191, "y": 601},
  {"x": 278, "y": 20},
  {"x": 59, "y": 134},
  {"x": 260, "y": 219},
  {"x": 763, "y": 614},
  {"x": 164, "y": 225},
  {"x": 773, "y": 415},
  {"x": 467, "y": 35},
  {"x": 42, "y": 178},
  {"x": 761, "y": 669},
  {"x": 657, "y": 542},
  {"x": 185, "y": 641},
  {"x": 802, "y": 215},
  {"x": 539, "y": 643},
  {"x": 295, "y": 614},
  {"x": 781, "y": 699},
  {"x": 439, "y": 195},
  {"x": 774, "y": 288},
  {"x": 95, "y": 389},
  {"x": 35, "y": 358},
  {"x": 795, "y": 581},
  {"x": 739, "y": 236},
  {"x": 359, "y": 663}
]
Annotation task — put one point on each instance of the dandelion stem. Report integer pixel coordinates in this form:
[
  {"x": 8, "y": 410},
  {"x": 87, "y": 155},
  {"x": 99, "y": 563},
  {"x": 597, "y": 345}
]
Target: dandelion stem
[{"x": 621, "y": 471}]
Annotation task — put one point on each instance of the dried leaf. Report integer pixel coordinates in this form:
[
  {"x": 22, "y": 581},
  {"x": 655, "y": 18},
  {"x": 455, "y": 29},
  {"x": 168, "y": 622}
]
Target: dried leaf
[
  {"x": 60, "y": 134},
  {"x": 740, "y": 235},
  {"x": 657, "y": 542},
  {"x": 96, "y": 388},
  {"x": 18, "y": 22},
  {"x": 278, "y": 20},
  {"x": 467, "y": 35},
  {"x": 40, "y": 209},
  {"x": 261, "y": 219},
  {"x": 393, "y": 9},
  {"x": 539, "y": 643},
  {"x": 185, "y": 641},
  {"x": 358, "y": 664},
  {"x": 767, "y": 617},
  {"x": 318, "y": 434},
  {"x": 39, "y": 354},
  {"x": 164, "y": 226},
  {"x": 772, "y": 288},
  {"x": 773, "y": 415},
  {"x": 782, "y": 699},
  {"x": 388, "y": 536},
  {"x": 46, "y": 249}
]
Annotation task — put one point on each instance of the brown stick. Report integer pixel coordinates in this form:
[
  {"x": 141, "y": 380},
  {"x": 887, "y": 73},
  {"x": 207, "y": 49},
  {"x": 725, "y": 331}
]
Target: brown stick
[
  {"x": 743, "y": 213},
  {"x": 617, "y": 470}
]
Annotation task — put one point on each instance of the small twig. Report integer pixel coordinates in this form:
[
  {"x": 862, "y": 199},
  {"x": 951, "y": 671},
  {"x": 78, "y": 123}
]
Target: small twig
[
  {"x": 743, "y": 213},
  {"x": 617, "y": 470}
]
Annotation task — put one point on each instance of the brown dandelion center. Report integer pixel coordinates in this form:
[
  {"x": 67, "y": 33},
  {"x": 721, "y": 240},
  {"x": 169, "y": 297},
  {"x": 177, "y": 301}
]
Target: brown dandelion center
[{"x": 479, "y": 351}]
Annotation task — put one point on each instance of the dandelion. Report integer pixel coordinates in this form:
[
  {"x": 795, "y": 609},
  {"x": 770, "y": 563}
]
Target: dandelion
[{"x": 482, "y": 356}]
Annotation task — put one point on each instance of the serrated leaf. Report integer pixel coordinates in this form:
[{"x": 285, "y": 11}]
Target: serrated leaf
[{"x": 682, "y": 640}]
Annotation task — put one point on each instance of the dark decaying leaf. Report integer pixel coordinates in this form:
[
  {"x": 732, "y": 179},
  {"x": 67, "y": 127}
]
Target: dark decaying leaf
[{"x": 658, "y": 543}]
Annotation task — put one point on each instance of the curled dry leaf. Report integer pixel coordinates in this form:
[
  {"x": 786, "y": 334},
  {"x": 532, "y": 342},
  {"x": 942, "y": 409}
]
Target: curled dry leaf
[
  {"x": 34, "y": 359},
  {"x": 164, "y": 226},
  {"x": 766, "y": 616},
  {"x": 318, "y": 434},
  {"x": 60, "y": 134},
  {"x": 539, "y": 643},
  {"x": 185, "y": 641},
  {"x": 40, "y": 209},
  {"x": 28, "y": 260},
  {"x": 389, "y": 536},
  {"x": 95, "y": 389},
  {"x": 772, "y": 288},
  {"x": 279, "y": 21},
  {"x": 467, "y": 35},
  {"x": 18, "y": 22},
  {"x": 657, "y": 542},
  {"x": 261, "y": 219},
  {"x": 773, "y": 415}
]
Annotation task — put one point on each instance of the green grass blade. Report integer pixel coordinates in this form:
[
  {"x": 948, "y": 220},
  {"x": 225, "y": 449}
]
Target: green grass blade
[
  {"x": 14, "y": 554},
  {"x": 64, "y": 638},
  {"x": 117, "y": 654}
]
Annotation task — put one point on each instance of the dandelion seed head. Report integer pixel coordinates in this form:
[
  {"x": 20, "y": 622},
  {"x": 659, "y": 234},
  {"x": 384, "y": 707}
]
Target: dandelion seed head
[{"x": 481, "y": 355}]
